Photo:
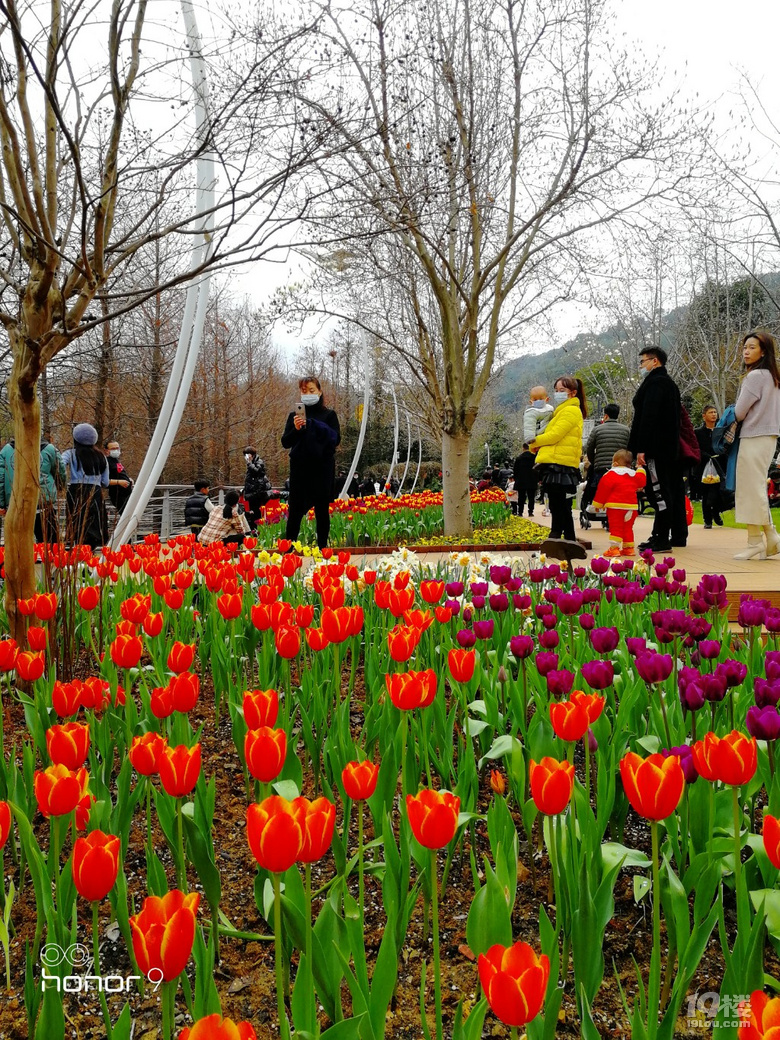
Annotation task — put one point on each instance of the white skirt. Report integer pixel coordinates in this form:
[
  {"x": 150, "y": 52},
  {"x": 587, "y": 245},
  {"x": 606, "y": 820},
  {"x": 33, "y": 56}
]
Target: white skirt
[{"x": 751, "y": 500}]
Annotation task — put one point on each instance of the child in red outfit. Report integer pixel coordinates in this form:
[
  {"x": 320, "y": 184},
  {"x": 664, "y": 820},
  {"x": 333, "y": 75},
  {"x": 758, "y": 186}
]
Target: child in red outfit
[{"x": 617, "y": 492}]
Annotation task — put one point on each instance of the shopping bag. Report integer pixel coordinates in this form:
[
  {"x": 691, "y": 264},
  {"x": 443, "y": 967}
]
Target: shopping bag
[{"x": 710, "y": 474}]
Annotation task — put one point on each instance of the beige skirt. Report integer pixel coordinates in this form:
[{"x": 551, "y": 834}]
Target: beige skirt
[{"x": 751, "y": 501}]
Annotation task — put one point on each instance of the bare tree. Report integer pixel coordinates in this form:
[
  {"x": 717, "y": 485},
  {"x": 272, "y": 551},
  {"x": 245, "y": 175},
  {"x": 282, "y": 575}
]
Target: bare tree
[
  {"x": 78, "y": 220},
  {"x": 485, "y": 144}
]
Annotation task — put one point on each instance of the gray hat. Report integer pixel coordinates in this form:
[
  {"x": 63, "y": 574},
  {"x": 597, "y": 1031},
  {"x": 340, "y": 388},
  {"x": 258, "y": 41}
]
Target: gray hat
[{"x": 85, "y": 434}]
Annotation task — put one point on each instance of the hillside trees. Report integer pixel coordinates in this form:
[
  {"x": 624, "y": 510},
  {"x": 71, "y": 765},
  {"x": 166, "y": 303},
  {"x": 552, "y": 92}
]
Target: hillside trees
[
  {"x": 94, "y": 110},
  {"x": 473, "y": 150}
]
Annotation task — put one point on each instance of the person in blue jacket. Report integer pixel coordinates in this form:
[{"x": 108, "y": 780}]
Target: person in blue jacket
[{"x": 311, "y": 435}]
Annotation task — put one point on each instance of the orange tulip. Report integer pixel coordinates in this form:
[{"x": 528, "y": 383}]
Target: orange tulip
[
  {"x": 359, "y": 779},
  {"x": 287, "y": 639},
  {"x": 317, "y": 820},
  {"x": 163, "y": 933},
  {"x": 433, "y": 817},
  {"x": 514, "y": 980},
  {"x": 316, "y": 639},
  {"x": 136, "y": 608},
  {"x": 229, "y": 605},
  {"x": 213, "y": 1027},
  {"x": 5, "y": 822},
  {"x": 126, "y": 651},
  {"x": 497, "y": 781},
  {"x": 265, "y": 750},
  {"x": 95, "y": 865},
  {"x": 593, "y": 703},
  {"x": 261, "y": 708},
  {"x": 89, "y": 597},
  {"x": 37, "y": 638},
  {"x": 732, "y": 759},
  {"x": 179, "y": 769},
  {"x": 45, "y": 605},
  {"x": 184, "y": 688},
  {"x": 144, "y": 753},
  {"x": 653, "y": 785},
  {"x": 771, "y": 835},
  {"x": 569, "y": 719},
  {"x": 68, "y": 745},
  {"x": 410, "y": 690},
  {"x": 461, "y": 664},
  {"x": 552, "y": 783},
  {"x": 8, "y": 654},
  {"x": 431, "y": 591},
  {"x": 30, "y": 666},
  {"x": 759, "y": 1018},
  {"x": 402, "y": 641},
  {"x": 58, "y": 790},
  {"x": 153, "y": 624},
  {"x": 274, "y": 833},
  {"x": 181, "y": 656}
]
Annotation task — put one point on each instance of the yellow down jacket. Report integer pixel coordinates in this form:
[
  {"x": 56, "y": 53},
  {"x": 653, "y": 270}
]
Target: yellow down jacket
[{"x": 560, "y": 442}]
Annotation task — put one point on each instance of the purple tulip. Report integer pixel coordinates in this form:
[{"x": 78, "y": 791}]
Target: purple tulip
[
  {"x": 570, "y": 603},
  {"x": 587, "y": 621},
  {"x": 468, "y": 613},
  {"x": 654, "y": 668},
  {"x": 657, "y": 584},
  {"x": 618, "y": 566},
  {"x": 479, "y": 588},
  {"x": 636, "y": 645},
  {"x": 632, "y": 592},
  {"x": 772, "y": 620},
  {"x": 772, "y": 664},
  {"x": 465, "y": 638},
  {"x": 699, "y": 627},
  {"x": 684, "y": 755},
  {"x": 709, "y": 649},
  {"x": 676, "y": 622},
  {"x": 454, "y": 588},
  {"x": 521, "y": 601},
  {"x": 679, "y": 575},
  {"x": 549, "y": 640},
  {"x": 687, "y": 675},
  {"x": 599, "y": 565},
  {"x": 543, "y": 609},
  {"x": 551, "y": 596},
  {"x": 546, "y": 661},
  {"x": 628, "y": 565},
  {"x": 537, "y": 574},
  {"x": 454, "y": 606},
  {"x": 484, "y": 629},
  {"x": 714, "y": 686},
  {"x": 698, "y": 604},
  {"x": 591, "y": 596},
  {"x": 763, "y": 723},
  {"x": 478, "y": 602},
  {"x": 559, "y": 683},
  {"x": 579, "y": 572},
  {"x": 692, "y": 696},
  {"x": 604, "y": 640},
  {"x": 735, "y": 672},
  {"x": 499, "y": 602},
  {"x": 513, "y": 585},
  {"x": 500, "y": 574},
  {"x": 593, "y": 744},
  {"x": 661, "y": 569},
  {"x": 752, "y": 611},
  {"x": 766, "y": 692},
  {"x": 521, "y": 647},
  {"x": 549, "y": 621},
  {"x": 598, "y": 674}
]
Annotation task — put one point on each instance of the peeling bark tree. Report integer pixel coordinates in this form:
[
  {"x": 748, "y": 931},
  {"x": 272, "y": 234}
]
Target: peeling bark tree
[
  {"x": 78, "y": 218},
  {"x": 490, "y": 143}
]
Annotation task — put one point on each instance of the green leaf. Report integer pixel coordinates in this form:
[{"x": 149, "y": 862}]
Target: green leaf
[
  {"x": 471, "y": 1029},
  {"x": 490, "y": 917},
  {"x": 288, "y": 789},
  {"x": 612, "y": 854},
  {"x": 642, "y": 886}
]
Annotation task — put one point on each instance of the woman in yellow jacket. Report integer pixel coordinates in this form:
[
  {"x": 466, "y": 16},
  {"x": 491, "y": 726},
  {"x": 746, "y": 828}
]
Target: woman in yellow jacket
[{"x": 558, "y": 452}]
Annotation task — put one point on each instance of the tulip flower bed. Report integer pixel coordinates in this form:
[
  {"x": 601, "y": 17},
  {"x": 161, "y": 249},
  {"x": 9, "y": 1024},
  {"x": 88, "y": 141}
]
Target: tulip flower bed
[
  {"x": 408, "y": 520},
  {"x": 240, "y": 796}
]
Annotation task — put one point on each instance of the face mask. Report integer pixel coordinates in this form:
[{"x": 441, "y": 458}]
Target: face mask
[
  {"x": 643, "y": 372},
  {"x": 560, "y": 396},
  {"x": 538, "y": 404},
  {"x": 309, "y": 399},
  {"x": 115, "y": 453}
]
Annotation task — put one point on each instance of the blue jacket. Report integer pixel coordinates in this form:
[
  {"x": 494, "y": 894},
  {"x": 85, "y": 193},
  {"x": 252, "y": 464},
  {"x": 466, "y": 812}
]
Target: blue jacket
[{"x": 729, "y": 450}]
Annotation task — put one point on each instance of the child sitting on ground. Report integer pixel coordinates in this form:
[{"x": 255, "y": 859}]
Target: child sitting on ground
[{"x": 617, "y": 494}]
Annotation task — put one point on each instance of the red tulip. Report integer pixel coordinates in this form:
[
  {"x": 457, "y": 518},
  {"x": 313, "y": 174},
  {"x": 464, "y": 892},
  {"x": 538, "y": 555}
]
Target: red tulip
[
  {"x": 261, "y": 708},
  {"x": 420, "y": 619},
  {"x": 431, "y": 591},
  {"x": 184, "y": 688},
  {"x": 229, "y": 605},
  {"x": 265, "y": 750},
  {"x": 213, "y": 1027},
  {"x": 317, "y": 820},
  {"x": 179, "y": 769},
  {"x": 316, "y": 639},
  {"x": 359, "y": 779},
  {"x": 8, "y": 653},
  {"x": 83, "y": 810},
  {"x": 759, "y": 1018},
  {"x": 274, "y": 833},
  {"x": 144, "y": 753},
  {"x": 126, "y": 651},
  {"x": 161, "y": 702},
  {"x": 732, "y": 759},
  {"x": 569, "y": 719},
  {"x": 514, "y": 980},
  {"x": 771, "y": 836},
  {"x": 653, "y": 785},
  {"x": 336, "y": 624},
  {"x": 136, "y": 608},
  {"x": 153, "y": 624},
  {"x": 288, "y": 641},
  {"x": 593, "y": 703},
  {"x": 552, "y": 783},
  {"x": 402, "y": 641},
  {"x": 37, "y": 638},
  {"x": 95, "y": 865},
  {"x": 433, "y": 816},
  {"x": 174, "y": 599},
  {"x": 412, "y": 689},
  {"x": 58, "y": 790},
  {"x": 163, "y": 933},
  {"x": 26, "y": 607},
  {"x": 30, "y": 666},
  {"x": 461, "y": 664},
  {"x": 5, "y": 822},
  {"x": 68, "y": 745},
  {"x": 45, "y": 605},
  {"x": 89, "y": 597}
]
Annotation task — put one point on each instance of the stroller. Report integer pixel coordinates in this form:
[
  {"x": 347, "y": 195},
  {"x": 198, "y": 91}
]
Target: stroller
[{"x": 589, "y": 515}]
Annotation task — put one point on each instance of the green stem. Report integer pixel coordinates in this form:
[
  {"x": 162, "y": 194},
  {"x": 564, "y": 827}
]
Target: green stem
[
  {"x": 737, "y": 856},
  {"x": 404, "y": 736},
  {"x": 663, "y": 712},
  {"x": 96, "y": 966},
  {"x": 361, "y": 853},
  {"x": 169, "y": 1008},
  {"x": 653, "y": 994},
  {"x": 181, "y": 864},
  {"x": 284, "y": 1027},
  {"x": 436, "y": 956},
  {"x": 307, "y": 875}
]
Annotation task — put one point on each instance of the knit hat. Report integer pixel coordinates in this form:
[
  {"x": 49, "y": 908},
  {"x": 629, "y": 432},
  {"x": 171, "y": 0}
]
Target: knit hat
[{"x": 85, "y": 434}]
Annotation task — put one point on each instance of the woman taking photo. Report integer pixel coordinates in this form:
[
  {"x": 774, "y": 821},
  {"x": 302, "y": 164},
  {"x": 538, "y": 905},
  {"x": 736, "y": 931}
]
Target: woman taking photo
[
  {"x": 311, "y": 435},
  {"x": 558, "y": 452},
  {"x": 87, "y": 476},
  {"x": 227, "y": 525},
  {"x": 758, "y": 409}
]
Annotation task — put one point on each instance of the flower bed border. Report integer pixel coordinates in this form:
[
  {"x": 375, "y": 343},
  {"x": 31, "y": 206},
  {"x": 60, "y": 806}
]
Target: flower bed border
[{"x": 387, "y": 550}]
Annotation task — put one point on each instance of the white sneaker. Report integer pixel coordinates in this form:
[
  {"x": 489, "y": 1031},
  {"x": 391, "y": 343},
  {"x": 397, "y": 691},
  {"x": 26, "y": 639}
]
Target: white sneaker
[{"x": 545, "y": 512}]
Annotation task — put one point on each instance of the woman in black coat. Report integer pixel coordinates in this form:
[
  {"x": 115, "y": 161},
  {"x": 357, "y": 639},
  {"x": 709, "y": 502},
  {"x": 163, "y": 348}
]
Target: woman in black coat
[{"x": 312, "y": 435}]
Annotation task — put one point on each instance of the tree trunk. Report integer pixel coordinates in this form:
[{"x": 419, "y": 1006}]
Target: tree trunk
[
  {"x": 20, "y": 580},
  {"x": 455, "y": 475}
]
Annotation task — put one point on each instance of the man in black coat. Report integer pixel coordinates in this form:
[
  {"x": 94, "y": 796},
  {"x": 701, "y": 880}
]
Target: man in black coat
[
  {"x": 655, "y": 441},
  {"x": 120, "y": 485},
  {"x": 711, "y": 492},
  {"x": 525, "y": 480}
]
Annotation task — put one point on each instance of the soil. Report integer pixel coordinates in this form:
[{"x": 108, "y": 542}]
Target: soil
[{"x": 245, "y": 975}]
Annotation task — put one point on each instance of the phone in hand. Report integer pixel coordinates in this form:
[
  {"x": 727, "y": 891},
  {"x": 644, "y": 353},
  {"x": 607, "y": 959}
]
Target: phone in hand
[{"x": 300, "y": 408}]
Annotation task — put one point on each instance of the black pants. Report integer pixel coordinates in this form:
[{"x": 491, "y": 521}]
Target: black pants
[
  {"x": 526, "y": 495},
  {"x": 562, "y": 521},
  {"x": 594, "y": 476},
  {"x": 47, "y": 528},
  {"x": 670, "y": 523},
  {"x": 710, "y": 502},
  {"x": 298, "y": 511}
]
